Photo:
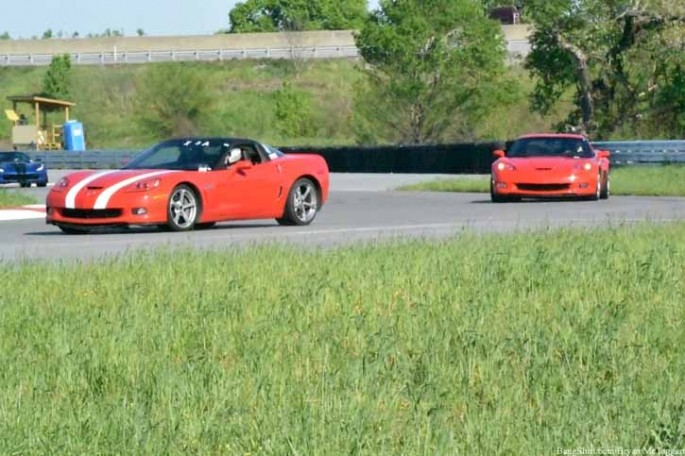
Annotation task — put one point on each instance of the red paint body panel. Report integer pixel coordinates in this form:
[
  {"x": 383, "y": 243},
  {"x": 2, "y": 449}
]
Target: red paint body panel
[
  {"x": 258, "y": 192},
  {"x": 549, "y": 176}
]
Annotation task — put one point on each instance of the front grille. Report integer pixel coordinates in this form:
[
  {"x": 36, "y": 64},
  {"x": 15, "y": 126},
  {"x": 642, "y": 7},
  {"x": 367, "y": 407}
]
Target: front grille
[
  {"x": 543, "y": 187},
  {"x": 91, "y": 213}
]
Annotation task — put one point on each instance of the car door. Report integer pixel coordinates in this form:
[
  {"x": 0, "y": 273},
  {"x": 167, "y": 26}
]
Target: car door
[{"x": 249, "y": 188}]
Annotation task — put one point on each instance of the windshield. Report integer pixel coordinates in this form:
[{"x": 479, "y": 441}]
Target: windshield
[
  {"x": 272, "y": 151},
  {"x": 13, "y": 156},
  {"x": 550, "y": 147},
  {"x": 182, "y": 154}
]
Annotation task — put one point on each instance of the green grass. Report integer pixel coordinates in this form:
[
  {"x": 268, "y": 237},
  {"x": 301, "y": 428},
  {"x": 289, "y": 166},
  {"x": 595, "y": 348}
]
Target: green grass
[
  {"x": 9, "y": 199},
  {"x": 479, "y": 345},
  {"x": 638, "y": 180},
  {"x": 243, "y": 92}
]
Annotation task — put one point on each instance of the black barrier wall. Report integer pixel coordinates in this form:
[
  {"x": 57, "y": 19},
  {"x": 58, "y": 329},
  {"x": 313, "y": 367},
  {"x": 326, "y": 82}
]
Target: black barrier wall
[
  {"x": 474, "y": 158},
  {"x": 466, "y": 158}
]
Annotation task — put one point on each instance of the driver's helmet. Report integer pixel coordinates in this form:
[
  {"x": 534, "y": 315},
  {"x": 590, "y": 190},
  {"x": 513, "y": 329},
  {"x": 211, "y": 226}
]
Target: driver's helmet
[{"x": 234, "y": 155}]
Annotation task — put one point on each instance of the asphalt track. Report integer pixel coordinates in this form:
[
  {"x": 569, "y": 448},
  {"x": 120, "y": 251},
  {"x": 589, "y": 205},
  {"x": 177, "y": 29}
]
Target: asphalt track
[{"x": 362, "y": 208}]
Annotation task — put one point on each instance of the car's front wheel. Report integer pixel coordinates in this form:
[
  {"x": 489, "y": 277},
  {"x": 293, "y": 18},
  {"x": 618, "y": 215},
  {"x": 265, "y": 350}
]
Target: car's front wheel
[
  {"x": 183, "y": 209},
  {"x": 302, "y": 204}
]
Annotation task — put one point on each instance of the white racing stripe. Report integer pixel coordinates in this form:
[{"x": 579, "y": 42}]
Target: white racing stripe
[
  {"x": 103, "y": 199},
  {"x": 70, "y": 201}
]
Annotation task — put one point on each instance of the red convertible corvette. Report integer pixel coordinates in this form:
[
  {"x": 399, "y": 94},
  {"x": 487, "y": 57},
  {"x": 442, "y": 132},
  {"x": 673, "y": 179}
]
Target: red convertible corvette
[
  {"x": 550, "y": 165},
  {"x": 188, "y": 183}
]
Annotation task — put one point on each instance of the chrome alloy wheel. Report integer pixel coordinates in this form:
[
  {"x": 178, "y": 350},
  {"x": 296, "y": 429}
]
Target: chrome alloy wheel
[
  {"x": 183, "y": 208},
  {"x": 305, "y": 201}
]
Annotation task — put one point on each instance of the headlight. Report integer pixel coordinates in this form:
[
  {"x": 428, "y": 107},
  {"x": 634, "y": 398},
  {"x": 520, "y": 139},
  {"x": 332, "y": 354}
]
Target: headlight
[
  {"x": 40, "y": 168},
  {"x": 504, "y": 166},
  {"x": 63, "y": 182},
  {"x": 2, "y": 170},
  {"x": 145, "y": 185},
  {"x": 586, "y": 166}
]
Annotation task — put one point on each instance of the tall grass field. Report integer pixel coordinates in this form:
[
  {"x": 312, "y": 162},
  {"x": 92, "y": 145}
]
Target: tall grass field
[
  {"x": 633, "y": 180},
  {"x": 479, "y": 345}
]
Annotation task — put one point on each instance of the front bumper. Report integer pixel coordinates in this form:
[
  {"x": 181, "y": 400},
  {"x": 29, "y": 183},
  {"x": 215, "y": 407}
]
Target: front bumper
[
  {"x": 137, "y": 209},
  {"x": 559, "y": 187},
  {"x": 23, "y": 178}
]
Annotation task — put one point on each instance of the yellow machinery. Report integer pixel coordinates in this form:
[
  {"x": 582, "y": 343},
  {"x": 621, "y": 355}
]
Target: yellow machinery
[{"x": 36, "y": 133}]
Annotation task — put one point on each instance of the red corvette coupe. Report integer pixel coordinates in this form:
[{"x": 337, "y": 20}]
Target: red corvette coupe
[
  {"x": 550, "y": 165},
  {"x": 182, "y": 184}
]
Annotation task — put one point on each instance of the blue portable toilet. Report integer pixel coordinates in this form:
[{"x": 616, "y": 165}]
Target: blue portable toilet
[{"x": 74, "y": 138}]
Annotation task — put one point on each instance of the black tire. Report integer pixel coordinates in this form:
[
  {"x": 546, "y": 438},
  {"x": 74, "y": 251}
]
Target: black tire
[
  {"x": 70, "y": 230},
  {"x": 598, "y": 189},
  {"x": 606, "y": 187},
  {"x": 302, "y": 205},
  {"x": 205, "y": 226},
  {"x": 183, "y": 209},
  {"x": 24, "y": 185},
  {"x": 494, "y": 197},
  {"x": 42, "y": 184}
]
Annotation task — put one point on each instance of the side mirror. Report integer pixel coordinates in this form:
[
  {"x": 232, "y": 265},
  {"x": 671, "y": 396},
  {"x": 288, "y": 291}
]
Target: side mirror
[
  {"x": 603, "y": 154},
  {"x": 243, "y": 165},
  {"x": 499, "y": 153}
]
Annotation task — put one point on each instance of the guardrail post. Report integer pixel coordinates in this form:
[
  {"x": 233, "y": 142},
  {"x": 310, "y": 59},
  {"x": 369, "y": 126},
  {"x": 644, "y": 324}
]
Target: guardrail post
[{"x": 149, "y": 56}]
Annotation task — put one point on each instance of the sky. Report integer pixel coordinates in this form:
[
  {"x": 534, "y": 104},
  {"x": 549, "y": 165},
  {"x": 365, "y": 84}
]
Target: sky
[{"x": 27, "y": 18}]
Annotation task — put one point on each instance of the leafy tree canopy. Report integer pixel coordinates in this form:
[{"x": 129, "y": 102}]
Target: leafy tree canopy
[
  {"x": 56, "y": 81},
  {"x": 434, "y": 67},
  {"x": 296, "y": 15},
  {"x": 622, "y": 61}
]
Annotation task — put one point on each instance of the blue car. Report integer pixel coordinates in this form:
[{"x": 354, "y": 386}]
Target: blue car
[{"x": 17, "y": 167}]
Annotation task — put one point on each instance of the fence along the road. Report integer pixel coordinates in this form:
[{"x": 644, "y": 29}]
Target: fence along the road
[
  {"x": 115, "y": 58},
  {"x": 463, "y": 158}
]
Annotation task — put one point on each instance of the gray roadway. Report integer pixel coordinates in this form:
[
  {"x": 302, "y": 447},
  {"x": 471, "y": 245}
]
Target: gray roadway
[{"x": 362, "y": 208}]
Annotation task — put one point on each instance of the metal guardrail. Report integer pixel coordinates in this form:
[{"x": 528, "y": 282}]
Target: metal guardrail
[
  {"x": 644, "y": 152},
  {"x": 116, "y": 58},
  {"x": 622, "y": 153},
  {"x": 517, "y": 49}
]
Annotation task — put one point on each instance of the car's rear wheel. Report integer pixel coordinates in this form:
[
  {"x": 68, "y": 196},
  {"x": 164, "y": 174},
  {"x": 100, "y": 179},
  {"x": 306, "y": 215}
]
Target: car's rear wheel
[
  {"x": 42, "y": 184},
  {"x": 606, "y": 187},
  {"x": 183, "y": 209},
  {"x": 302, "y": 204},
  {"x": 70, "y": 230},
  {"x": 24, "y": 184}
]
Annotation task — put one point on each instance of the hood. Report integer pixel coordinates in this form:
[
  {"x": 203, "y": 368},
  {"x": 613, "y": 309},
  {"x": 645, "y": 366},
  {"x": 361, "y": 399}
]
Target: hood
[{"x": 109, "y": 178}]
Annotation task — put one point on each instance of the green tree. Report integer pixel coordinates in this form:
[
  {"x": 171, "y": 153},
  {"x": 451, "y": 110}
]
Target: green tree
[
  {"x": 172, "y": 100},
  {"x": 296, "y": 15},
  {"x": 614, "y": 56},
  {"x": 5, "y": 36},
  {"x": 293, "y": 111},
  {"x": 56, "y": 81},
  {"x": 433, "y": 67}
]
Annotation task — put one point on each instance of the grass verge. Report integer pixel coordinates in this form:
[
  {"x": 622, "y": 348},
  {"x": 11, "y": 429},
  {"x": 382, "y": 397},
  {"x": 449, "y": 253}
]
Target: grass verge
[
  {"x": 515, "y": 344},
  {"x": 638, "y": 180},
  {"x": 9, "y": 199}
]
